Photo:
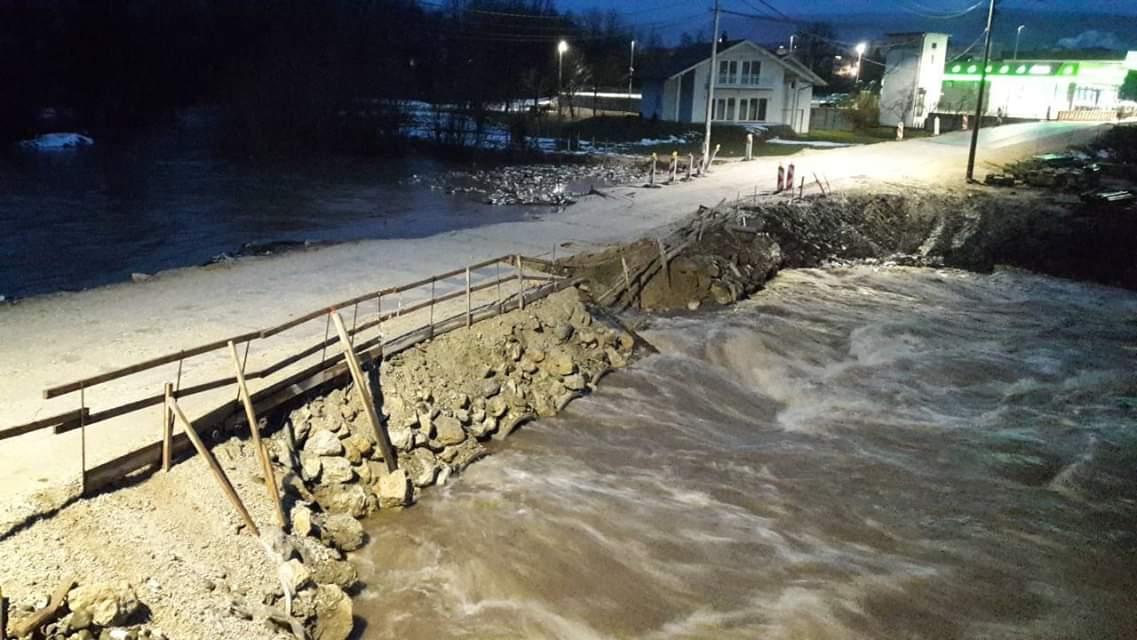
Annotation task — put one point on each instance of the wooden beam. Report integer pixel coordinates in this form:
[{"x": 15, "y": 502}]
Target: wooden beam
[
  {"x": 218, "y": 473},
  {"x": 74, "y": 416},
  {"x": 46, "y": 615},
  {"x": 255, "y": 430},
  {"x": 167, "y": 428},
  {"x": 3, "y": 616},
  {"x": 363, "y": 387}
]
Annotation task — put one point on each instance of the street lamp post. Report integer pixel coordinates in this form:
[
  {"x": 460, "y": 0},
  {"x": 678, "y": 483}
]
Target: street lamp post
[
  {"x": 562, "y": 47},
  {"x": 861, "y": 48},
  {"x": 1018, "y": 34},
  {"x": 631, "y": 71},
  {"x": 979, "y": 97}
]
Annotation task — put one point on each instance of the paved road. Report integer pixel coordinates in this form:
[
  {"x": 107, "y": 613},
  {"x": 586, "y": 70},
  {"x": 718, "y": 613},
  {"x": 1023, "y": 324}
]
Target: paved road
[{"x": 58, "y": 338}]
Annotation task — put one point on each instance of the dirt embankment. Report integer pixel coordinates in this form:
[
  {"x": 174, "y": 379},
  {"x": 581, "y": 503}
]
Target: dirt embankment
[
  {"x": 169, "y": 557},
  {"x": 731, "y": 254}
]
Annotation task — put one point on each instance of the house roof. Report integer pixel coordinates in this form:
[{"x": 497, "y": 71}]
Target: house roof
[{"x": 682, "y": 59}]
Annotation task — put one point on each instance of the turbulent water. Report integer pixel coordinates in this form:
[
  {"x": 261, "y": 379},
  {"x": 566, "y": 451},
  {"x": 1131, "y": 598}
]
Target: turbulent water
[{"x": 851, "y": 454}]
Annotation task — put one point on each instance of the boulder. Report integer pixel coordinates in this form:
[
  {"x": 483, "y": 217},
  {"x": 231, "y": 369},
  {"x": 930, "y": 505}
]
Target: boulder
[
  {"x": 301, "y": 520},
  {"x": 562, "y": 332},
  {"x": 421, "y": 466},
  {"x": 402, "y": 438},
  {"x": 107, "y": 604},
  {"x": 331, "y": 571},
  {"x": 342, "y": 532},
  {"x": 559, "y": 363},
  {"x": 465, "y": 454},
  {"x": 615, "y": 358},
  {"x": 333, "y": 613},
  {"x": 340, "y": 498},
  {"x": 323, "y": 443},
  {"x": 310, "y": 466},
  {"x": 490, "y": 388},
  {"x": 426, "y": 424},
  {"x": 335, "y": 470},
  {"x": 497, "y": 406},
  {"x": 484, "y": 427},
  {"x": 394, "y": 489},
  {"x": 449, "y": 431},
  {"x": 574, "y": 382},
  {"x": 360, "y": 443}
]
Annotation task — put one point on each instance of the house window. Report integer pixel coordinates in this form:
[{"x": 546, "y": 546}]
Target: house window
[
  {"x": 723, "y": 67},
  {"x": 921, "y": 98},
  {"x": 720, "y": 109},
  {"x": 730, "y": 109},
  {"x": 755, "y": 72},
  {"x": 761, "y": 110},
  {"x": 733, "y": 79}
]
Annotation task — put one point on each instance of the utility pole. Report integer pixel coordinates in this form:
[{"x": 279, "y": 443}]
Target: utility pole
[
  {"x": 711, "y": 89},
  {"x": 631, "y": 71},
  {"x": 979, "y": 98},
  {"x": 1018, "y": 34}
]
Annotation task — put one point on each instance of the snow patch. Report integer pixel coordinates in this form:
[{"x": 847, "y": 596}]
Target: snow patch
[
  {"x": 57, "y": 141},
  {"x": 809, "y": 143}
]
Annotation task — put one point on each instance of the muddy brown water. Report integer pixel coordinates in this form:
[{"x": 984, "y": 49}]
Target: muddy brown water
[{"x": 851, "y": 454}]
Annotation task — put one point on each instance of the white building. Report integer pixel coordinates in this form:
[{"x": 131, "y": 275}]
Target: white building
[
  {"x": 752, "y": 86},
  {"x": 913, "y": 77},
  {"x": 1049, "y": 89}
]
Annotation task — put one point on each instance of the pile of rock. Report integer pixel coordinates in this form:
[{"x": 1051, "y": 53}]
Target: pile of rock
[
  {"x": 439, "y": 403},
  {"x": 103, "y": 611}
]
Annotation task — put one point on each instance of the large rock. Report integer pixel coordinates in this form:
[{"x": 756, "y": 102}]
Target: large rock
[
  {"x": 497, "y": 406},
  {"x": 310, "y": 466},
  {"x": 107, "y": 604},
  {"x": 343, "y": 532},
  {"x": 336, "y": 470},
  {"x": 402, "y": 438},
  {"x": 323, "y": 443},
  {"x": 340, "y": 498},
  {"x": 394, "y": 489},
  {"x": 296, "y": 574},
  {"x": 301, "y": 520},
  {"x": 331, "y": 571},
  {"x": 449, "y": 430},
  {"x": 463, "y": 455},
  {"x": 333, "y": 613},
  {"x": 421, "y": 466},
  {"x": 559, "y": 363},
  {"x": 575, "y": 382},
  {"x": 358, "y": 442}
]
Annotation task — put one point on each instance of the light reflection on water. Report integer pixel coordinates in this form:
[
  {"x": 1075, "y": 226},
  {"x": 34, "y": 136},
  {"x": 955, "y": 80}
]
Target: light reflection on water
[{"x": 851, "y": 454}]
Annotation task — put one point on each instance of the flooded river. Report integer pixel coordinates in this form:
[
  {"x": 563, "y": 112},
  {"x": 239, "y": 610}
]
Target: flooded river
[
  {"x": 80, "y": 218},
  {"x": 851, "y": 454}
]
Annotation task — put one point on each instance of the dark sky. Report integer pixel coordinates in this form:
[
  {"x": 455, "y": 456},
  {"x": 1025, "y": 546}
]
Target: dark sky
[{"x": 1048, "y": 22}]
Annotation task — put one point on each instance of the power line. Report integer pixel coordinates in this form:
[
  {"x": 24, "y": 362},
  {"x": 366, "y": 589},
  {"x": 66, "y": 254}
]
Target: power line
[
  {"x": 768, "y": 6},
  {"x": 928, "y": 12}
]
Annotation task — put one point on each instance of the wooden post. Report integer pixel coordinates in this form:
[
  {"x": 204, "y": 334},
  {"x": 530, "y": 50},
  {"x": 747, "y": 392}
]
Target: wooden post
[
  {"x": 663, "y": 259},
  {"x": 218, "y": 474},
  {"x": 651, "y": 179},
  {"x": 690, "y": 164},
  {"x": 627, "y": 274},
  {"x": 82, "y": 441},
  {"x": 167, "y": 428},
  {"x": 431, "y": 308},
  {"x": 255, "y": 430},
  {"x": 520, "y": 285},
  {"x": 3, "y": 616},
  {"x": 801, "y": 189},
  {"x": 469, "y": 315},
  {"x": 29, "y": 625},
  {"x": 361, "y": 384}
]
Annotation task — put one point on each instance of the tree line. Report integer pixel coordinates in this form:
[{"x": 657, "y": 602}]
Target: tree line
[{"x": 290, "y": 73}]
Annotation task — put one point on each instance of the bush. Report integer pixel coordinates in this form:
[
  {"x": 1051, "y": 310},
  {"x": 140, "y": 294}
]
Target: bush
[{"x": 865, "y": 110}]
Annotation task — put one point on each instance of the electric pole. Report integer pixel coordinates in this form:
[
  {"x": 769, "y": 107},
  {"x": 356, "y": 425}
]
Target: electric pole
[
  {"x": 711, "y": 89},
  {"x": 979, "y": 98}
]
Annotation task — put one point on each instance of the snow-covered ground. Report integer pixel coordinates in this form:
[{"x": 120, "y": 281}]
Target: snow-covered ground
[
  {"x": 57, "y": 141},
  {"x": 810, "y": 143}
]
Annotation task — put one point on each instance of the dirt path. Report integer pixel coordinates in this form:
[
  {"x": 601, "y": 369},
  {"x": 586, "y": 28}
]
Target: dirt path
[{"x": 58, "y": 338}]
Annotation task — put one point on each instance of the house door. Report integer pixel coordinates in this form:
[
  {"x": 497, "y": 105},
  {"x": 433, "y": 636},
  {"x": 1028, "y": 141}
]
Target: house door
[{"x": 687, "y": 96}]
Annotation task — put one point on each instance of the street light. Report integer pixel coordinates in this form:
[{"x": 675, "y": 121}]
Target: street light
[
  {"x": 562, "y": 47},
  {"x": 1018, "y": 34},
  {"x": 861, "y": 48},
  {"x": 631, "y": 70}
]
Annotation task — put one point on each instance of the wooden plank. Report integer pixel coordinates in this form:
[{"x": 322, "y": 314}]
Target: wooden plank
[
  {"x": 469, "y": 318},
  {"x": 3, "y": 616},
  {"x": 255, "y": 430},
  {"x": 167, "y": 428},
  {"x": 520, "y": 285},
  {"x": 218, "y": 473},
  {"x": 46, "y": 615},
  {"x": 73, "y": 416},
  {"x": 362, "y": 386},
  {"x": 87, "y": 383}
]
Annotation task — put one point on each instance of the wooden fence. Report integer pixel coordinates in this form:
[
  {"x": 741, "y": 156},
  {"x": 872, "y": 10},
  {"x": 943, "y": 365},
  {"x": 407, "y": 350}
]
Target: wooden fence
[{"x": 330, "y": 369}]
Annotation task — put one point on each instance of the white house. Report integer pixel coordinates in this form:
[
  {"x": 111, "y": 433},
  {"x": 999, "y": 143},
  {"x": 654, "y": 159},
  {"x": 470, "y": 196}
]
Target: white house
[
  {"x": 913, "y": 77},
  {"x": 752, "y": 86}
]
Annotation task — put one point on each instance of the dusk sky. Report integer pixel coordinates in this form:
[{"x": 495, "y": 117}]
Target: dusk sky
[{"x": 1047, "y": 22}]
